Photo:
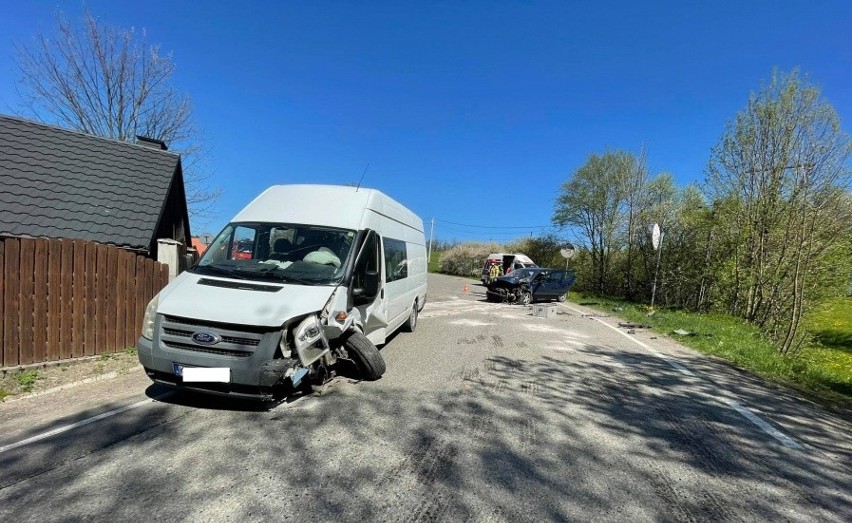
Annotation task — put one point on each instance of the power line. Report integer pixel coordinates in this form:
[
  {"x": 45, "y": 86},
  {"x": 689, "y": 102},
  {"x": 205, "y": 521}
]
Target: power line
[
  {"x": 496, "y": 226},
  {"x": 479, "y": 234},
  {"x": 487, "y": 232}
]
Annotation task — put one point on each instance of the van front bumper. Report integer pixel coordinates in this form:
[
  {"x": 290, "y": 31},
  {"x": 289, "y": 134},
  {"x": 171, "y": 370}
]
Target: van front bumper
[{"x": 253, "y": 373}]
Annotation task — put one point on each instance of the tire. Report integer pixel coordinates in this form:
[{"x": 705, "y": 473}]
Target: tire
[
  {"x": 366, "y": 356},
  {"x": 561, "y": 298},
  {"x": 411, "y": 323},
  {"x": 525, "y": 298}
]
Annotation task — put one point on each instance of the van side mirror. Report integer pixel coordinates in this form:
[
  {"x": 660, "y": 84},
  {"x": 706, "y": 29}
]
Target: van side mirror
[{"x": 370, "y": 289}]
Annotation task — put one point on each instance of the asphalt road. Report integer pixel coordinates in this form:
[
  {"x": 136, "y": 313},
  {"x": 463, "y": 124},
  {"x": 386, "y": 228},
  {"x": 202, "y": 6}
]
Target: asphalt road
[{"x": 486, "y": 413}]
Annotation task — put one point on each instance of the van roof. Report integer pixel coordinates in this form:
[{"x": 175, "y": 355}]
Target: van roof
[
  {"x": 523, "y": 258},
  {"x": 329, "y": 205}
]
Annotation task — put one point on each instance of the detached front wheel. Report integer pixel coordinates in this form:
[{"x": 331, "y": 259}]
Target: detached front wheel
[{"x": 366, "y": 356}]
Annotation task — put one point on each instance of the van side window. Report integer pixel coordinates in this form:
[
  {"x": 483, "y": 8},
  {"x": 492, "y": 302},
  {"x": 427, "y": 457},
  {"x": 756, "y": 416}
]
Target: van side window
[
  {"x": 396, "y": 260},
  {"x": 369, "y": 261}
]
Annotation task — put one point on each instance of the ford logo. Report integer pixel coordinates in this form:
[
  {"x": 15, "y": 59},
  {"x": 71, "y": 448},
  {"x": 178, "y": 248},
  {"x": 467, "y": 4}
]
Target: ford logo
[{"x": 206, "y": 338}]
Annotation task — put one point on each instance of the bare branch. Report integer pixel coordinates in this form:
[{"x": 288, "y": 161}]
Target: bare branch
[{"x": 111, "y": 82}]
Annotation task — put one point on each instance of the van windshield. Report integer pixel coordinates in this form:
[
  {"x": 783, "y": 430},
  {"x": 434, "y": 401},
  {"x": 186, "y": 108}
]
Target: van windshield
[{"x": 278, "y": 252}]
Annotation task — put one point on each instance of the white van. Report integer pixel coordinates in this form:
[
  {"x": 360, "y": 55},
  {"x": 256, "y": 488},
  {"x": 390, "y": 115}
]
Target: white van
[
  {"x": 506, "y": 262},
  {"x": 302, "y": 277}
]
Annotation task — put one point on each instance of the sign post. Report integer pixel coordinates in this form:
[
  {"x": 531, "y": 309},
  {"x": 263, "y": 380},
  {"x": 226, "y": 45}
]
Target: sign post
[
  {"x": 656, "y": 243},
  {"x": 567, "y": 252}
]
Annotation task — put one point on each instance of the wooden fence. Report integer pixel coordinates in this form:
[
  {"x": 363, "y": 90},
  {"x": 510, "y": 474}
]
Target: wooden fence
[{"x": 62, "y": 299}]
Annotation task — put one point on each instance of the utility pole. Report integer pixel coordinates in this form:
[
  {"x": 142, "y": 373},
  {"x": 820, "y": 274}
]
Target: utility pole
[{"x": 431, "y": 239}]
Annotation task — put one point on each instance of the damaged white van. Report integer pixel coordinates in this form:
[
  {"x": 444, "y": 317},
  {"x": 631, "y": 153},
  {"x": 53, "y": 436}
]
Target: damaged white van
[{"x": 303, "y": 277}]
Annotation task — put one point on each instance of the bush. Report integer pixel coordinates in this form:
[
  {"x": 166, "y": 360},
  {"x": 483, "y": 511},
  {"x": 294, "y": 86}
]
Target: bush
[{"x": 467, "y": 259}]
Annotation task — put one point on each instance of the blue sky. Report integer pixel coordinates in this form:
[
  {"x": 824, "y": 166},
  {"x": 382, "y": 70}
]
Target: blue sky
[{"x": 467, "y": 112}]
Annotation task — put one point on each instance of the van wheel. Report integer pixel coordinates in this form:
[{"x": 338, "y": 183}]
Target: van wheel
[
  {"x": 561, "y": 298},
  {"x": 411, "y": 324},
  {"x": 366, "y": 356}
]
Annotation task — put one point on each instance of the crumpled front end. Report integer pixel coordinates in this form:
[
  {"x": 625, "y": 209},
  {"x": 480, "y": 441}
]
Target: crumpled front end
[{"x": 505, "y": 290}]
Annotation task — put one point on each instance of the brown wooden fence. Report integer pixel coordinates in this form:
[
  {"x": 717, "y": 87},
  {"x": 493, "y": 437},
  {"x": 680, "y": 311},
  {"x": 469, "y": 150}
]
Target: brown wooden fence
[{"x": 62, "y": 299}]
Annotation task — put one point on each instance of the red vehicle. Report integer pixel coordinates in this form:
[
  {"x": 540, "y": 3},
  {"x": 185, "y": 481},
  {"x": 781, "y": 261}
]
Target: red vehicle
[{"x": 242, "y": 250}]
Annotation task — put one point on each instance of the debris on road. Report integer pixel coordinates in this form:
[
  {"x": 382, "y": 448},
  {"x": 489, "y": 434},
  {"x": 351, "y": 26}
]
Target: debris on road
[
  {"x": 681, "y": 332},
  {"x": 544, "y": 310}
]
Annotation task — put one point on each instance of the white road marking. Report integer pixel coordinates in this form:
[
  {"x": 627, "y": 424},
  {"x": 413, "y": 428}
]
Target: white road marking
[
  {"x": 671, "y": 361},
  {"x": 744, "y": 411},
  {"x": 769, "y": 429},
  {"x": 66, "y": 428}
]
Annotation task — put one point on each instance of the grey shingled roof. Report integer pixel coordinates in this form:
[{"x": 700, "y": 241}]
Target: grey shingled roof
[{"x": 64, "y": 184}]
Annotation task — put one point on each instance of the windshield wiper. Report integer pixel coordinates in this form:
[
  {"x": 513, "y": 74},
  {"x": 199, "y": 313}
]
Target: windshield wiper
[
  {"x": 275, "y": 273},
  {"x": 220, "y": 270}
]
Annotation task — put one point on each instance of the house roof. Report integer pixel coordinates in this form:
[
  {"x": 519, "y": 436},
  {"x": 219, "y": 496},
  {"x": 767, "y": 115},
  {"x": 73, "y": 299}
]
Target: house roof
[
  {"x": 64, "y": 184},
  {"x": 198, "y": 245}
]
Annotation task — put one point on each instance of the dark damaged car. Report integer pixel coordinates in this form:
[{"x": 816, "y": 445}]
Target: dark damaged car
[{"x": 524, "y": 286}]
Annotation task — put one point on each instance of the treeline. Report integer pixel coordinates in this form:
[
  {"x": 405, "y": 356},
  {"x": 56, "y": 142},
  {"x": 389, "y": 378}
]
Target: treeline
[{"x": 768, "y": 232}]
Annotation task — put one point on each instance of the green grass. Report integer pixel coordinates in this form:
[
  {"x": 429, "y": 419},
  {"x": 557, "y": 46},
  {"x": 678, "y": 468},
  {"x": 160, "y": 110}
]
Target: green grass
[
  {"x": 831, "y": 323},
  {"x": 27, "y": 379},
  {"x": 824, "y": 371},
  {"x": 435, "y": 262},
  {"x": 3, "y": 393},
  {"x": 830, "y": 356}
]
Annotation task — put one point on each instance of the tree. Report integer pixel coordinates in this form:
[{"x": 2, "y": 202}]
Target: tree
[
  {"x": 591, "y": 200},
  {"x": 543, "y": 250},
  {"x": 111, "y": 82},
  {"x": 779, "y": 174},
  {"x": 635, "y": 180}
]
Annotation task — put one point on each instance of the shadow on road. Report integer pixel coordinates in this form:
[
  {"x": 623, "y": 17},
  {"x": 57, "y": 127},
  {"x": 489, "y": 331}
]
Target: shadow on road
[{"x": 620, "y": 435}]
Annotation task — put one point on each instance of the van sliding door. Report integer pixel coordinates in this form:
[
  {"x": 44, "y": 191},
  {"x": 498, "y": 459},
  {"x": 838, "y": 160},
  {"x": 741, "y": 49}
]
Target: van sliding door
[{"x": 399, "y": 296}]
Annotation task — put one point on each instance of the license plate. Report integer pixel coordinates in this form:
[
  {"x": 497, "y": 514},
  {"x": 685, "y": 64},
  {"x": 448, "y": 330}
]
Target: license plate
[{"x": 202, "y": 374}]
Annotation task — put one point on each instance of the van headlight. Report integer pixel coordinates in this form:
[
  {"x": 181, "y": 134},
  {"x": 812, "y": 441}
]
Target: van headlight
[
  {"x": 310, "y": 340},
  {"x": 308, "y": 332},
  {"x": 150, "y": 317}
]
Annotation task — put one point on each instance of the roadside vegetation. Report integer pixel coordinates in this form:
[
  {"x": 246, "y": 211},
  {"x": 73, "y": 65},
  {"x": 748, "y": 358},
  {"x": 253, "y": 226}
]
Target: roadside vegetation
[
  {"x": 819, "y": 370},
  {"x": 14, "y": 383},
  {"x": 756, "y": 260},
  {"x": 435, "y": 262}
]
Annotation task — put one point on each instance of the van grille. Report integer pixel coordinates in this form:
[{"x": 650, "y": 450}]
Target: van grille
[
  {"x": 207, "y": 350},
  {"x": 235, "y": 340},
  {"x": 227, "y": 339}
]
